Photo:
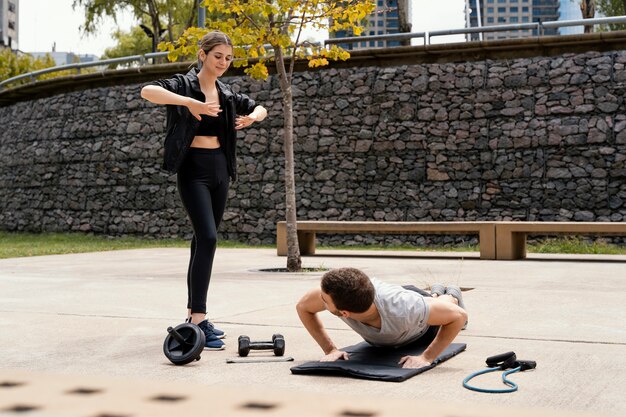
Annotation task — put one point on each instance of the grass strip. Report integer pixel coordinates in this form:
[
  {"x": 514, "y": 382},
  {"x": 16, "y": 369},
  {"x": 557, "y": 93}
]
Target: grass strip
[{"x": 14, "y": 245}]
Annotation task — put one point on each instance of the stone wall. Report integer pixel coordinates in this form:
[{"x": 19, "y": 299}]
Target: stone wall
[{"x": 527, "y": 139}]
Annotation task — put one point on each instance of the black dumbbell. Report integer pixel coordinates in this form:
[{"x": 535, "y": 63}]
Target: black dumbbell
[
  {"x": 277, "y": 345},
  {"x": 184, "y": 343}
]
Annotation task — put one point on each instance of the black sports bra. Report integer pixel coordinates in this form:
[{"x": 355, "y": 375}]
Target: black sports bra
[{"x": 210, "y": 126}]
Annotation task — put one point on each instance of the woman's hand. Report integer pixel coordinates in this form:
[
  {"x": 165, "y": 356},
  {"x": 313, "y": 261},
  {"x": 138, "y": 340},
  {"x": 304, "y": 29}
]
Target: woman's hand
[
  {"x": 198, "y": 108},
  {"x": 245, "y": 121}
]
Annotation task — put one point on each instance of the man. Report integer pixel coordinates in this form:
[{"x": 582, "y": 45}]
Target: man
[{"x": 384, "y": 314}]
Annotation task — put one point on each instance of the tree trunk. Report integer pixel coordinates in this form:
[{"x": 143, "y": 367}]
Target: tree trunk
[
  {"x": 192, "y": 17},
  {"x": 588, "y": 11},
  {"x": 170, "y": 25},
  {"x": 403, "y": 20},
  {"x": 294, "y": 262},
  {"x": 156, "y": 24}
]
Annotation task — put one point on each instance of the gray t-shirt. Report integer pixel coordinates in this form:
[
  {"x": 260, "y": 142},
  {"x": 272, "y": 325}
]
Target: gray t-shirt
[{"x": 403, "y": 315}]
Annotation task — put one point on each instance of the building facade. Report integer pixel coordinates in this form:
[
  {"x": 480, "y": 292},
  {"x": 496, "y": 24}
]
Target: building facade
[
  {"x": 9, "y": 30},
  {"x": 383, "y": 21},
  {"x": 65, "y": 58},
  {"x": 511, "y": 12}
]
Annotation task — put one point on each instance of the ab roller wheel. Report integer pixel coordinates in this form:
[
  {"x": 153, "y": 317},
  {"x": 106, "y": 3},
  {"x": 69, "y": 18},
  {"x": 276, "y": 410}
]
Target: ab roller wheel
[
  {"x": 184, "y": 343},
  {"x": 277, "y": 345}
]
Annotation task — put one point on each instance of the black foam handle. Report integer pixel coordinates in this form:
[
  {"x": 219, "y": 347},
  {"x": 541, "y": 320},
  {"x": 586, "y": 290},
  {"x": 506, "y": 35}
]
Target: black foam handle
[
  {"x": 526, "y": 365},
  {"x": 177, "y": 336},
  {"x": 503, "y": 360}
]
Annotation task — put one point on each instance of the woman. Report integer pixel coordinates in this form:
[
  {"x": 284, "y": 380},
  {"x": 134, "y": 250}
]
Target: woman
[{"x": 203, "y": 115}]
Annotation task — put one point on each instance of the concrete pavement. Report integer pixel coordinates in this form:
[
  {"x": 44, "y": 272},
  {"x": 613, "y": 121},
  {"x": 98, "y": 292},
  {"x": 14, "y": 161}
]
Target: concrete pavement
[{"x": 105, "y": 314}]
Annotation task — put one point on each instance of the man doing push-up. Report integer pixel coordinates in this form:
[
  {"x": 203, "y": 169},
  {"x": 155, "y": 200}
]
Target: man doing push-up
[{"x": 384, "y": 314}]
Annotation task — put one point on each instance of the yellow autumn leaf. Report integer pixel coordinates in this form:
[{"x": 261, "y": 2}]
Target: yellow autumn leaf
[
  {"x": 258, "y": 71},
  {"x": 318, "y": 62}
]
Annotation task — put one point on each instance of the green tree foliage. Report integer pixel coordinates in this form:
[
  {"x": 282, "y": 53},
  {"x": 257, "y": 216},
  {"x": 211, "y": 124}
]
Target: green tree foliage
[
  {"x": 612, "y": 8},
  {"x": 255, "y": 24},
  {"x": 13, "y": 64},
  {"x": 165, "y": 18},
  {"x": 134, "y": 42}
]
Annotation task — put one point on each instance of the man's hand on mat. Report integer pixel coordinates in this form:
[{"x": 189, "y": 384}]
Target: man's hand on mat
[
  {"x": 414, "y": 362},
  {"x": 335, "y": 355}
]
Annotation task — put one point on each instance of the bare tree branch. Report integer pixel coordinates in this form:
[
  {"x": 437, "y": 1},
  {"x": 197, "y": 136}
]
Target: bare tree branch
[{"x": 295, "y": 48}]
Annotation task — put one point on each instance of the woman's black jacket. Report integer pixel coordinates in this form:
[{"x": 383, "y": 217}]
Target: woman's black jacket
[{"x": 181, "y": 125}]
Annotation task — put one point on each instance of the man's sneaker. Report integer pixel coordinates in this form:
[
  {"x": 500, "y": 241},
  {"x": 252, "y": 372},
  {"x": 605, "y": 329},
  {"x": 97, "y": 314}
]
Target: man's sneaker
[
  {"x": 212, "y": 341},
  {"x": 438, "y": 289},
  {"x": 455, "y": 291}
]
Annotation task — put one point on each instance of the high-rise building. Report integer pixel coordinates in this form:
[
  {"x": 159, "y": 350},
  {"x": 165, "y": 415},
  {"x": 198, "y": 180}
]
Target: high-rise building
[
  {"x": 511, "y": 12},
  {"x": 9, "y": 10},
  {"x": 383, "y": 21}
]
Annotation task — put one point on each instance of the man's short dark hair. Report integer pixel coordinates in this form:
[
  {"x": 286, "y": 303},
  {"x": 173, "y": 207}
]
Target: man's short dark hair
[{"x": 350, "y": 289}]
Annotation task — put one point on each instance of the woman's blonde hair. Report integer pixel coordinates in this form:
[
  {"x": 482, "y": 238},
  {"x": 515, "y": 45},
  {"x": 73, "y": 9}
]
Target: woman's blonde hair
[{"x": 210, "y": 41}]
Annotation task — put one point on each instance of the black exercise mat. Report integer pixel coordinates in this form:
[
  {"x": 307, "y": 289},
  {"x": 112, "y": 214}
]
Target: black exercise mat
[{"x": 377, "y": 363}]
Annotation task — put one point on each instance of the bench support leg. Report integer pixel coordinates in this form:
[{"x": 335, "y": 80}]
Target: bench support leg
[
  {"x": 281, "y": 239},
  {"x": 510, "y": 245},
  {"x": 519, "y": 245},
  {"x": 306, "y": 242},
  {"x": 487, "y": 242}
]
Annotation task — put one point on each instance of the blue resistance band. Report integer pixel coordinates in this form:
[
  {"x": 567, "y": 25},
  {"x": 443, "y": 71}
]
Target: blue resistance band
[{"x": 501, "y": 362}]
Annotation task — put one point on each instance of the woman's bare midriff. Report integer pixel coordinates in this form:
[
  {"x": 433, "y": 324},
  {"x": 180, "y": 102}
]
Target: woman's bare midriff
[{"x": 207, "y": 142}]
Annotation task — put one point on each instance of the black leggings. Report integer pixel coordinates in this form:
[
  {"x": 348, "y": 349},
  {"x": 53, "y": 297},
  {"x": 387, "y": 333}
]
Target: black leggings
[{"x": 203, "y": 187}]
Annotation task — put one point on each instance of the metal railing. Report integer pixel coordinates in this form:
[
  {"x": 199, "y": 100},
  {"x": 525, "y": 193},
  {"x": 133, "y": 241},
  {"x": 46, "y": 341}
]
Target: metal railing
[
  {"x": 538, "y": 26},
  {"x": 141, "y": 59}
]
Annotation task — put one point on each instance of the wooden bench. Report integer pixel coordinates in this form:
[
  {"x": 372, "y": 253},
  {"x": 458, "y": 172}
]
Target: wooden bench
[
  {"x": 308, "y": 229},
  {"x": 511, "y": 236}
]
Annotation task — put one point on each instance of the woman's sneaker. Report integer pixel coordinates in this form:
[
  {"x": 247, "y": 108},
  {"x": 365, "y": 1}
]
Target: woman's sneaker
[
  {"x": 219, "y": 333},
  {"x": 212, "y": 341}
]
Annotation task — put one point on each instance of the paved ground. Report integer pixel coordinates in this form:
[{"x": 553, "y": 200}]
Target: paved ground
[{"x": 105, "y": 314}]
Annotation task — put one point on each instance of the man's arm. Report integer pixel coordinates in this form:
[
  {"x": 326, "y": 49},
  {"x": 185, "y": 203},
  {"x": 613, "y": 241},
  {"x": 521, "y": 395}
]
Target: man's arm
[
  {"x": 451, "y": 318},
  {"x": 308, "y": 307}
]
